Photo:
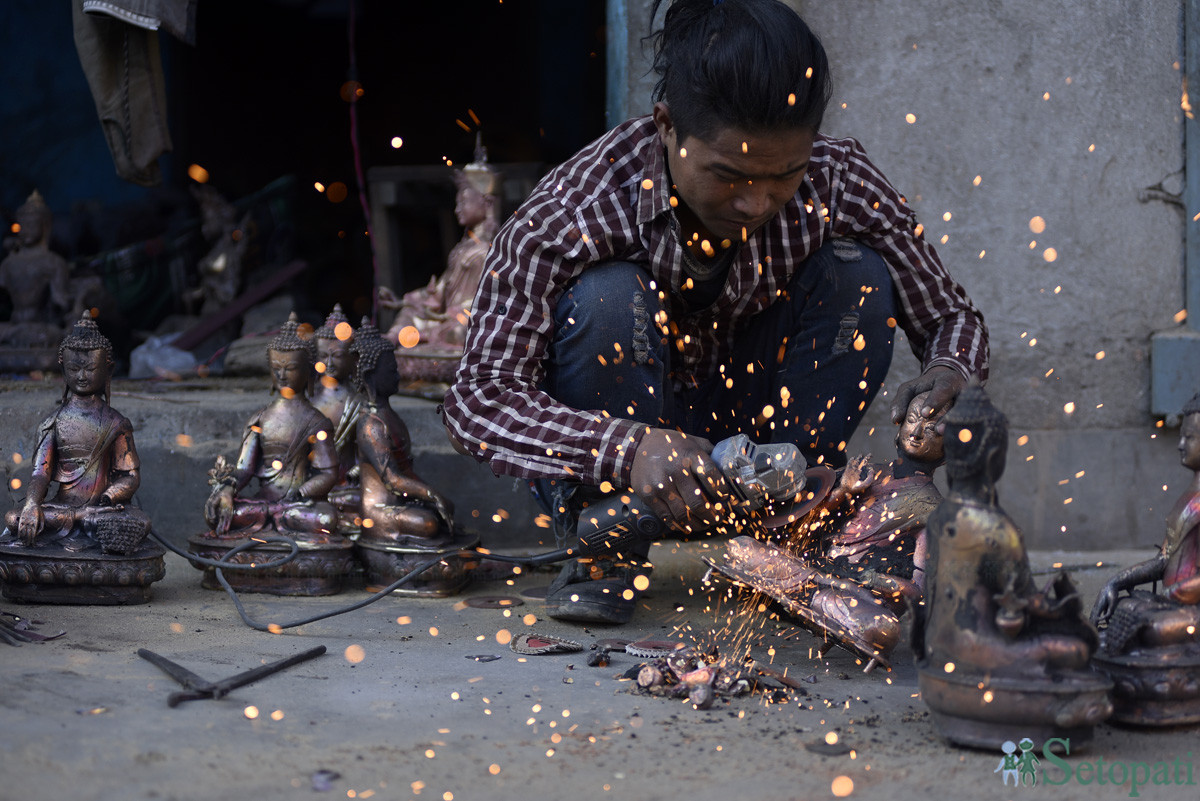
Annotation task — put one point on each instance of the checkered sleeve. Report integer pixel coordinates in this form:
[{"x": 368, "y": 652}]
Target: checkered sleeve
[
  {"x": 943, "y": 326},
  {"x": 496, "y": 408}
]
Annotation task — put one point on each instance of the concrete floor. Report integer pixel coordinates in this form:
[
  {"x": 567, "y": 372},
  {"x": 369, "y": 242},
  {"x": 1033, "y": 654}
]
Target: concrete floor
[{"x": 399, "y": 707}]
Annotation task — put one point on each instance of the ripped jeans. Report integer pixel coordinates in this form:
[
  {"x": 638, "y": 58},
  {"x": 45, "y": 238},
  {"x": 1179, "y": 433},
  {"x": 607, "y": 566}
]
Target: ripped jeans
[{"x": 837, "y": 320}]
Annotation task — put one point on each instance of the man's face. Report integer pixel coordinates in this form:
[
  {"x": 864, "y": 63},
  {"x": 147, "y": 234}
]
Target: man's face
[
  {"x": 733, "y": 182},
  {"x": 1189, "y": 442}
]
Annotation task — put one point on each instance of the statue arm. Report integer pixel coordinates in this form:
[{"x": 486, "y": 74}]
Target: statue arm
[
  {"x": 218, "y": 509},
  {"x": 323, "y": 461},
  {"x": 1130, "y": 577},
  {"x": 126, "y": 475},
  {"x": 374, "y": 446},
  {"x": 249, "y": 456},
  {"x": 32, "y": 520}
]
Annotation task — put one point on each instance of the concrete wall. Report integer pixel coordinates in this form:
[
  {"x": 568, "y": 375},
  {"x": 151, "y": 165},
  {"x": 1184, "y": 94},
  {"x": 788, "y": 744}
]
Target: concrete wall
[{"x": 1065, "y": 111}]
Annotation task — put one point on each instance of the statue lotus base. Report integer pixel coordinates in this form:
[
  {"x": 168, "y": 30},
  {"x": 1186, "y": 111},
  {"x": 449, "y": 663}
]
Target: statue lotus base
[
  {"x": 983, "y": 711},
  {"x": 319, "y": 569},
  {"x": 386, "y": 562},
  {"x": 45, "y": 574},
  {"x": 1154, "y": 687}
]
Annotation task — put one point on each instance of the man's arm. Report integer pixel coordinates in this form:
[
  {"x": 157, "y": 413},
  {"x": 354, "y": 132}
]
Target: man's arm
[
  {"x": 496, "y": 409},
  {"x": 945, "y": 329}
]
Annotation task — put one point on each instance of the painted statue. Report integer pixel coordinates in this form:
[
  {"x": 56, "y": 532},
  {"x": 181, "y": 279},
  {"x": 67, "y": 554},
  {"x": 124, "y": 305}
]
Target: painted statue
[
  {"x": 439, "y": 311},
  {"x": 1151, "y": 640}
]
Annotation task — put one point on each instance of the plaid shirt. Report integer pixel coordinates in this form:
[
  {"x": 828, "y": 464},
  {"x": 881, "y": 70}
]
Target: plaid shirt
[{"x": 611, "y": 201}]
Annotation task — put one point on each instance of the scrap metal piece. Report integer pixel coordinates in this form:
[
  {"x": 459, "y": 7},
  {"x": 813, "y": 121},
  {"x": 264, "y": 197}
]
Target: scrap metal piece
[
  {"x": 493, "y": 602},
  {"x": 538, "y": 644}
]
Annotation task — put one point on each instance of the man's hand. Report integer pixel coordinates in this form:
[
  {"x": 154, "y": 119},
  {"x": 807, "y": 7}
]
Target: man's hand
[
  {"x": 943, "y": 385},
  {"x": 678, "y": 480}
]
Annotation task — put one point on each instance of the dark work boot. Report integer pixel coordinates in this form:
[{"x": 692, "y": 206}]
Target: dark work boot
[{"x": 598, "y": 589}]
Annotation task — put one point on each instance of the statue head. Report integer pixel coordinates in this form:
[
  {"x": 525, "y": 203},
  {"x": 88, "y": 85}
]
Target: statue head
[
  {"x": 1189, "y": 434},
  {"x": 290, "y": 359},
  {"x": 918, "y": 438},
  {"x": 377, "y": 375},
  {"x": 335, "y": 360},
  {"x": 976, "y": 437},
  {"x": 86, "y": 357},
  {"x": 478, "y": 187},
  {"x": 34, "y": 218}
]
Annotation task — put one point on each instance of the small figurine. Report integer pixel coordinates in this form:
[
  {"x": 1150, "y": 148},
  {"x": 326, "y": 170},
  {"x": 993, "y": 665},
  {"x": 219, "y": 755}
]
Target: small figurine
[
  {"x": 1150, "y": 646},
  {"x": 438, "y": 313},
  {"x": 90, "y": 542},
  {"x": 998, "y": 658},
  {"x": 404, "y": 520},
  {"x": 334, "y": 396},
  {"x": 289, "y": 448},
  {"x": 857, "y": 560},
  {"x": 37, "y": 280},
  {"x": 222, "y": 268}
]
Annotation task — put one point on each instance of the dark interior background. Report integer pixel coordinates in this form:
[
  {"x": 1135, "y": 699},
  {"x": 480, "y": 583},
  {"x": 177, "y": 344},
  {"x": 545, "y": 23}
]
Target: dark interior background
[{"x": 258, "y": 104}]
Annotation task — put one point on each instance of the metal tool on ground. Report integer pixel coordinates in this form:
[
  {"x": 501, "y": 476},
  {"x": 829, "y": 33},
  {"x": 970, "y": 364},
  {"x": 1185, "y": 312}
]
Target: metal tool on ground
[{"x": 197, "y": 688}]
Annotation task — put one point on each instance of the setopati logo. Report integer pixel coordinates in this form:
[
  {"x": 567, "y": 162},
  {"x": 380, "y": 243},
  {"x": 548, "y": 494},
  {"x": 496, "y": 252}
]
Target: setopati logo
[{"x": 1023, "y": 767}]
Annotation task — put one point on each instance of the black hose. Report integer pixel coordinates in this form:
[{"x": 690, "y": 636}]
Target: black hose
[{"x": 222, "y": 564}]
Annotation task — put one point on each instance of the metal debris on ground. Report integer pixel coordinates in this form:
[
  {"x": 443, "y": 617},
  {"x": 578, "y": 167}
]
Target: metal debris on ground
[
  {"x": 15, "y": 630},
  {"x": 493, "y": 602},
  {"x": 538, "y": 644},
  {"x": 701, "y": 678},
  {"x": 322, "y": 780}
]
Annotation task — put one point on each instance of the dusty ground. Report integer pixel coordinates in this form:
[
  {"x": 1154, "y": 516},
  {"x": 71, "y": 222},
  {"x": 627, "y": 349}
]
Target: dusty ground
[{"x": 398, "y": 707}]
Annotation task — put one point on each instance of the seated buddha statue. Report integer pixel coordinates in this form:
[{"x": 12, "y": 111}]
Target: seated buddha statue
[
  {"x": 36, "y": 279},
  {"x": 288, "y": 448},
  {"x": 983, "y": 612},
  {"x": 398, "y": 507},
  {"x": 333, "y": 395},
  {"x": 1147, "y": 620},
  {"x": 439, "y": 311},
  {"x": 86, "y": 449}
]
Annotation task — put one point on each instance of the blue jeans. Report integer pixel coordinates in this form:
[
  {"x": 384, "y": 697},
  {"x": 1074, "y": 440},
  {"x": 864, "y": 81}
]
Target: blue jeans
[{"x": 837, "y": 319}]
